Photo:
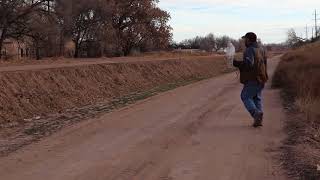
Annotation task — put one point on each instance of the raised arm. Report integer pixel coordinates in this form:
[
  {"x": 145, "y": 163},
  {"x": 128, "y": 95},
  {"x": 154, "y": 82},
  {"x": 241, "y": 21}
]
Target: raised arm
[{"x": 248, "y": 60}]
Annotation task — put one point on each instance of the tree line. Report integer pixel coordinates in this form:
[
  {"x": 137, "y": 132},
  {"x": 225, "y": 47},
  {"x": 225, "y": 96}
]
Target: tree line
[
  {"x": 208, "y": 43},
  {"x": 294, "y": 41},
  {"x": 96, "y": 27}
]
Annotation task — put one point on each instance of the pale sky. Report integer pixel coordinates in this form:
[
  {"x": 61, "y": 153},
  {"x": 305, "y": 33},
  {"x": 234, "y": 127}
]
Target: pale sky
[{"x": 270, "y": 19}]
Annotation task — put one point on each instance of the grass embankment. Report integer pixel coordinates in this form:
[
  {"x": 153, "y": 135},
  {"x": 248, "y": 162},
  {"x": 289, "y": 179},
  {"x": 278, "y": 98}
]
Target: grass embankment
[
  {"x": 299, "y": 76},
  {"x": 31, "y": 93},
  {"x": 37, "y": 103},
  {"x": 36, "y": 128}
]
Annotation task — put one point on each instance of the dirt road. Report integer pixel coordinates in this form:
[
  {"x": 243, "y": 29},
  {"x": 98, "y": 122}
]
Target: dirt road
[{"x": 196, "y": 132}]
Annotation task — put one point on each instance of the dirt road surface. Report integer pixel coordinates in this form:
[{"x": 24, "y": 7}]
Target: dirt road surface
[{"x": 197, "y": 132}]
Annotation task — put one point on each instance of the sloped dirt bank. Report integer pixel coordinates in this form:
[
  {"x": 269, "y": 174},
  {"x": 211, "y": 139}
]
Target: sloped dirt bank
[
  {"x": 34, "y": 93},
  {"x": 298, "y": 76}
]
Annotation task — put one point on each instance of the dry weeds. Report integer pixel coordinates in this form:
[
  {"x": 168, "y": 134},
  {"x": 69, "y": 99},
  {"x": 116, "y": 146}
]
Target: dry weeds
[
  {"x": 27, "y": 94},
  {"x": 299, "y": 76}
]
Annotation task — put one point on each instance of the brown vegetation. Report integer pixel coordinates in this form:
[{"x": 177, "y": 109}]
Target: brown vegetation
[
  {"x": 147, "y": 56},
  {"x": 209, "y": 43},
  {"x": 299, "y": 76},
  {"x": 94, "y": 27},
  {"x": 26, "y": 94}
]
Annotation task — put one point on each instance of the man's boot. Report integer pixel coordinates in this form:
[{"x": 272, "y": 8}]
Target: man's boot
[{"x": 258, "y": 119}]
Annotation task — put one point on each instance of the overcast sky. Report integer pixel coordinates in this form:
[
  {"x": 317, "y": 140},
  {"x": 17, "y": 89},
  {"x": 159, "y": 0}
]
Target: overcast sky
[{"x": 270, "y": 19}]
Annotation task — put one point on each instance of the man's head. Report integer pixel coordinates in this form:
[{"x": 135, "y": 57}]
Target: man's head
[{"x": 249, "y": 38}]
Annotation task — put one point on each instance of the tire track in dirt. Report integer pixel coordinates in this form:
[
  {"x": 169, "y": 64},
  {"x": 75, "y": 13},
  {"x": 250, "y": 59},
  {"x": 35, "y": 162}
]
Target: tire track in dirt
[{"x": 167, "y": 144}]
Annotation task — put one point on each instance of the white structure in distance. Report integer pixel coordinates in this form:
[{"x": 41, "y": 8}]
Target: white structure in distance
[{"x": 230, "y": 53}]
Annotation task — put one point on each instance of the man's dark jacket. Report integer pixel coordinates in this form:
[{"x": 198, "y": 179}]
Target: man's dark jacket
[{"x": 250, "y": 69}]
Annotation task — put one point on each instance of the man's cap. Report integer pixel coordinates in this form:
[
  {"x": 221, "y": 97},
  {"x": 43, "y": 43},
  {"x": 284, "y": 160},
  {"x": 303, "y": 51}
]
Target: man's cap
[{"x": 251, "y": 36}]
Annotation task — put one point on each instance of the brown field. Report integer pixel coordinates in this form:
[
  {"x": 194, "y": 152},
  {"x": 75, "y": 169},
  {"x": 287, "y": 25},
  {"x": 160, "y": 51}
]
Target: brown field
[{"x": 299, "y": 75}]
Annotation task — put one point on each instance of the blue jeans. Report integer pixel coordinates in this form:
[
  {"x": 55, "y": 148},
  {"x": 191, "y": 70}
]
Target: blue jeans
[{"x": 251, "y": 97}]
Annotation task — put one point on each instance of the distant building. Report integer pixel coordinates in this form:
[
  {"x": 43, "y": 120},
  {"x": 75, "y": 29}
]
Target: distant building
[
  {"x": 25, "y": 49},
  {"x": 13, "y": 49},
  {"x": 69, "y": 48}
]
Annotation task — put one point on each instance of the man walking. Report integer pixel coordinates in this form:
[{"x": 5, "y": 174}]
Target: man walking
[{"x": 253, "y": 75}]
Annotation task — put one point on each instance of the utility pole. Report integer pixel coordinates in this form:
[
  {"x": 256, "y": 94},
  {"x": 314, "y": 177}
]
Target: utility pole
[
  {"x": 316, "y": 23},
  {"x": 307, "y": 32}
]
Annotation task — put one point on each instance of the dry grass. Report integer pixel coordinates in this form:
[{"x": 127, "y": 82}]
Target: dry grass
[
  {"x": 151, "y": 56},
  {"x": 299, "y": 76},
  {"x": 21, "y": 62},
  {"x": 176, "y": 54},
  {"x": 27, "y": 94},
  {"x": 37, "y": 103}
]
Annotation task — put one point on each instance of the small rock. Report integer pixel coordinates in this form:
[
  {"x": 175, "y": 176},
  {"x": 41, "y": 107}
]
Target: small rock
[
  {"x": 27, "y": 120},
  {"x": 13, "y": 124},
  {"x": 37, "y": 118}
]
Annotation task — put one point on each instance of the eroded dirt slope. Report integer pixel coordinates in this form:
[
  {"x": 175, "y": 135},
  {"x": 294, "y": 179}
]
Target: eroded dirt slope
[{"x": 38, "y": 91}]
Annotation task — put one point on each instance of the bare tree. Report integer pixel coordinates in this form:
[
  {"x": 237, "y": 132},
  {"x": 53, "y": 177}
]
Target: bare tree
[
  {"x": 81, "y": 19},
  {"x": 14, "y": 17},
  {"x": 43, "y": 33},
  {"x": 293, "y": 40},
  {"x": 208, "y": 43},
  {"x": 138, "y": 22},
  {"x": 222, "y": 42},
  {"x": 100, "y": 23}
]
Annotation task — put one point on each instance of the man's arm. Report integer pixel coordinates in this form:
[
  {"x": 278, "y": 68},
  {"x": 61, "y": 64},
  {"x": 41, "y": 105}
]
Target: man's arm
[
  {"x": 265, "y": 57},
  {"x": 248, "y": 60}
]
